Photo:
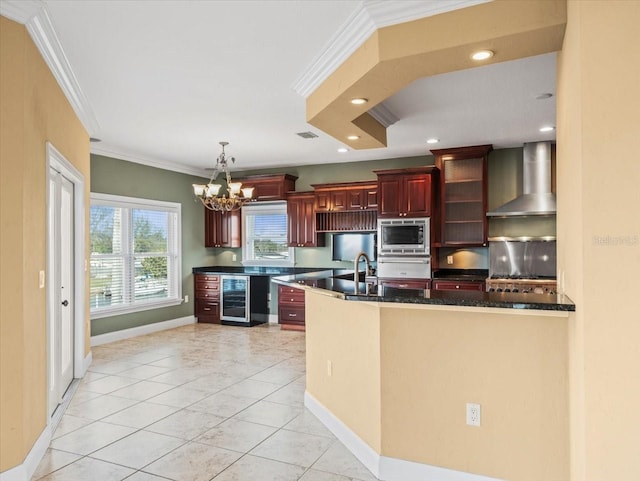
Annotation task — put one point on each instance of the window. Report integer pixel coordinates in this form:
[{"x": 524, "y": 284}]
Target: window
[
  {"x": 135, "y": 255},
  {"x": 264, "y": 235}
]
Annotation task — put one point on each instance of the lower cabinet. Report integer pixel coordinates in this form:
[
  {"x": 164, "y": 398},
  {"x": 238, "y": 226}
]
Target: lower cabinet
[
  {"x": 404, "y": 287},
  {"x": 207, "y": 298},
  {"x": 458, "y": 285},
  {"x": 291, "y": 308}
]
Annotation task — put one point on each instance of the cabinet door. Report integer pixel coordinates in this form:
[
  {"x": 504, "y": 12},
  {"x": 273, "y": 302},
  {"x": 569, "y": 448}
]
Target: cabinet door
[
  {"x": 301, "y": 216},
  {"x": 338, "y": 200},
  {"x": 212, "y": 227},
  {"x": 355, "y": 199},
  {"x": 417, "y": 195},
  {"x": 389, "y": 192},
  {"x": 323, "y": 201},
  {"x": 293, "y": 218},
  {"x": 370, "y": 197},
  {"x": 222, "y": 230}
]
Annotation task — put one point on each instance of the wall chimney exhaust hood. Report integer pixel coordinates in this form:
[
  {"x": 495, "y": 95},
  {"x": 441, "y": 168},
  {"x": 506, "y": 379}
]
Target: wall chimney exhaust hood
[{"x": 537, "y": 198}]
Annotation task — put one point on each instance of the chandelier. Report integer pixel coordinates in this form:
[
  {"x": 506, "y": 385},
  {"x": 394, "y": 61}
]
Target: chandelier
[{"x": 208, "y": 194}]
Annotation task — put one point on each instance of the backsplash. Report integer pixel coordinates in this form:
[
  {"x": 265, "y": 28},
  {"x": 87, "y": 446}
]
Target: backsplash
[{"x": 464, "y": 258}]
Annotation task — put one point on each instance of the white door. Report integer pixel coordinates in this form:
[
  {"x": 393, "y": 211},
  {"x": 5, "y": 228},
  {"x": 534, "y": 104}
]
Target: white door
[{"x": 61, "y": 289}]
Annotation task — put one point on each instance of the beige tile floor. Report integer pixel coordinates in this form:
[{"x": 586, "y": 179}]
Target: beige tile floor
[{"x": 197, "y": 403}]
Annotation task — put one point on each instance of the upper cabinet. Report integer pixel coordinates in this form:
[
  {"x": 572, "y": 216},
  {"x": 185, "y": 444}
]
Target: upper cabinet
[
  {"x": 407, "y": 192},
  {"x": 302, "y": 221},
  {"x": 346, "y": 196},
  {"x": 270, "y": 187},
  {"x": 222, "y": 229},
  {"x": 463, "y": 190},
  {"x": 347, "y": 206}
]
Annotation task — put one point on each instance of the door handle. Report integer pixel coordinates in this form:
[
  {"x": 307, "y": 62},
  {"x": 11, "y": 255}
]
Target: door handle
[{"x": 65, "y": 303}]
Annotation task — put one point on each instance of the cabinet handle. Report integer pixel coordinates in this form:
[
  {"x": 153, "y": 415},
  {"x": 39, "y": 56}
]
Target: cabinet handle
[
  {"x": 206, "y": 309},
  {"x": 291, "y": 299},
  {"x": 457, "y": 287},
  {"x": 293, "y": 315},
  {"x": 403, "y": 285}
]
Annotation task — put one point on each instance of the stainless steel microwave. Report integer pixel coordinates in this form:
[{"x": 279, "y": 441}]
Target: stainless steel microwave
[{"x": 400, "y": 237}]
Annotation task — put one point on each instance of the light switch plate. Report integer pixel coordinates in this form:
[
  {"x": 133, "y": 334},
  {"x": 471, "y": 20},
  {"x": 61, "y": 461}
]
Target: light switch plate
[{"x": 41, "y": 279}]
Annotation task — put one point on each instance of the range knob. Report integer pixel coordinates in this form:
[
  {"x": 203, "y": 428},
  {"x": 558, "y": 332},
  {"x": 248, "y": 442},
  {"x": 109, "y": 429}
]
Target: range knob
[
  {"x": 525, "y": 291},
  {"x": 499, "y": 289},
  {"x": 515, "y": 289},
  {"x": 491, "y": 289},
  {"x": 507, "y": 290}
]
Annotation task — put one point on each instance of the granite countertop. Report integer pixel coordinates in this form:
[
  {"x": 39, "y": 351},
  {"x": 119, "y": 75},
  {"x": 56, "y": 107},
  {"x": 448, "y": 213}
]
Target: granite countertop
[
  {"x": 253, "y": 270},
  {"x": 339, "y": 282}
]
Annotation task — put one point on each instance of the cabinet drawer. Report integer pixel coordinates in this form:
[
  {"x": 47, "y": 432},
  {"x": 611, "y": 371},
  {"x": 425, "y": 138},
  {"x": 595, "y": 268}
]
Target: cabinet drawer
[
  {"x": 207, "y": 294},
  {"x": 207, "y": 278},
  {"x": 291, "y": 314},
  {"x": 290, "y": 295},
  {"x": 207, "y": 285},
  {"x": 208, "y": 311},
  {"x": 458, "y": 286}
]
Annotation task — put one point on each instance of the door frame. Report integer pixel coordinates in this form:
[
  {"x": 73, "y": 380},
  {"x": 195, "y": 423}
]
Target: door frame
[{"x": 56, "y": 161}]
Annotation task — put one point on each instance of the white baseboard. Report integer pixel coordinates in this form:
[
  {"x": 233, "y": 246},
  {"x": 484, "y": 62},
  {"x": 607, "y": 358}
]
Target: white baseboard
[
  {"x": 273, "y": 318},
  {"x": 141, "y": 330},
  {"x": 85, "y": 364},
  {"x": 24, "y": 471},
  {"x": 383, "y": 467}
]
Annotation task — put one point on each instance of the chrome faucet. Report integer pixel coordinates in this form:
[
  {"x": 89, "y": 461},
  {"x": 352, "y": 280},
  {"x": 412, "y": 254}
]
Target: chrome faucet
[{"x": 356, "y": 277}]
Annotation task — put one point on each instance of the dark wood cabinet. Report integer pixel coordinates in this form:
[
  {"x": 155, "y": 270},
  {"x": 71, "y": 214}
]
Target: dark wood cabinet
[
  {"x": 407, "y": 192},
  {"x": 449, "y": 285},
  {"x": 270, "y": 187},
  {"x": 207, "y": 298},
  {"x": 463, "y": 190},
  {"x": 291, "y": 308},
  {"x": 347, "y": 196},
  {"x": 222, "y": 229},
  {"x": 363, "y": 198},
  {"x": 302, "y": 221}
]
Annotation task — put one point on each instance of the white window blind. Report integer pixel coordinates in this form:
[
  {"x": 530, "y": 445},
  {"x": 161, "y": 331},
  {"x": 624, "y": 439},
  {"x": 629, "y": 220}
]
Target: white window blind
[
  {"x": 264, "y": 232},
  {"x": 135, "y": 254}
]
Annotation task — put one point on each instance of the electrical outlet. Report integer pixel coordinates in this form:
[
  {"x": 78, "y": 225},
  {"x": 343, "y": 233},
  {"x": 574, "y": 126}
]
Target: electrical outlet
[
  {"x": 449, "y": 260},
  {"x": 329, "y": 368},
  {"x": 473, "y": 414},
  {"x": 234, "y": 257},
  {"x": 186, "y": 299}
]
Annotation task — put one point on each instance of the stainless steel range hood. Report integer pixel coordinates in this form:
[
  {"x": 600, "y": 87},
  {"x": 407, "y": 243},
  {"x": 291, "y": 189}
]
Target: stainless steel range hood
[{"x": 537, "y": 198}]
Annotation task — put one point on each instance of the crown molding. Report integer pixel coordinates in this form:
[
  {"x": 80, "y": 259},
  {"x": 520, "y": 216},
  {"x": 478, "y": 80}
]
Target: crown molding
[
  {"x": 361, "y": 24},
  {"x": 33, "y": 14},
  {"x": 383, "y": 115},
  {"x": 129, "y": 156},
  {"x": 20, "y": 11}
]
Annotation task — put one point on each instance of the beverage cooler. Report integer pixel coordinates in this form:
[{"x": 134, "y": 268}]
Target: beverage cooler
[{"x": 244, "y": 300}]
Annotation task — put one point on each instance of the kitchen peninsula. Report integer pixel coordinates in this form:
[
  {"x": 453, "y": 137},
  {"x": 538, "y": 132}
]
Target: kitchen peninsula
[{"x": 391, "y": 377}]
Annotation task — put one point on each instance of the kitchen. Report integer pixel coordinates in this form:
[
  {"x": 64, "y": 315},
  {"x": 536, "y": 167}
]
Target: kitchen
[{"x": 601, "y": 381}]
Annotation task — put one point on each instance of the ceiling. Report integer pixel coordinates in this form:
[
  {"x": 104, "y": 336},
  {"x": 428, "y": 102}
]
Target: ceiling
[{"x": 166, "y": 80}]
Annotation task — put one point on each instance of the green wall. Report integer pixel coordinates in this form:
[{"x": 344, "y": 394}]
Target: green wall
[{"x": 118, "y": 177}]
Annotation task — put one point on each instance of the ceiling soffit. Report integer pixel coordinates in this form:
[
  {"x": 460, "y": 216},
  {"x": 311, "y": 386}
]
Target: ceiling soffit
[{"x": 394, "y": 56}]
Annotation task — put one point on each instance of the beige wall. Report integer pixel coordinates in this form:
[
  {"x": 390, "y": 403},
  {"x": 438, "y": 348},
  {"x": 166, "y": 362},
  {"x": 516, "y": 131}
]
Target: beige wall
[
  {"x": 33, "y": 110},
  {"x": 431, "y": 361},
  {"x": 599, "y": 232},
  {"x": 352, "y": 392}
]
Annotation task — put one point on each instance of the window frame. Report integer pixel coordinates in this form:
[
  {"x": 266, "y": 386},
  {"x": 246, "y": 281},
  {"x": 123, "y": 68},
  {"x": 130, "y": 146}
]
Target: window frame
[
  {"x": 279, "y": 207},
  {"x": 174, "y": 252}
]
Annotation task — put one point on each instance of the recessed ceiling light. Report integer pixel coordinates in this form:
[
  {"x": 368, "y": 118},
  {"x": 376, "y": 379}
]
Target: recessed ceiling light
[
  {"x": 544, "y": 96},
  {"x": 482, "y": 55},
  {"x": 547, "y": 128},
  {"x": 353, "y": 137},
  {"x": 359, "y": 101},
  {"x": 433, "y": 141},
  {"x": 342, "y": 150}
]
